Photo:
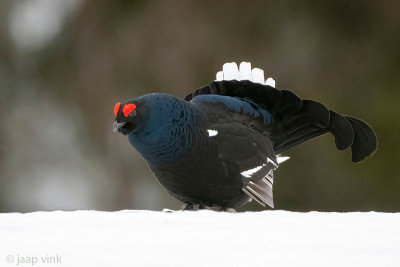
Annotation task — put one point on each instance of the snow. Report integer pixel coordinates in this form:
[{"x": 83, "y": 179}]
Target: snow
[{"x": 203, "y": 238}]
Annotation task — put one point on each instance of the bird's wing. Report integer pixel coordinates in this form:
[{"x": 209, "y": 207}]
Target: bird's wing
[
  {"x": 287, "y": 119},
  {"x": 247, "y": 153},
  {"x": 234, "y": 125}
]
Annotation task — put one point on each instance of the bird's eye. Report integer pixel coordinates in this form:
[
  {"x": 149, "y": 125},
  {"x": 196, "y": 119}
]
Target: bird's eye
[
  {"x": 128, "y": 109},
  {"x": 116, "y": 108}
]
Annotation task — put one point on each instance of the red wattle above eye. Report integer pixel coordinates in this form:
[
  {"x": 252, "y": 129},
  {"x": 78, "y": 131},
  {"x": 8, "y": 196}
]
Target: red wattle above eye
[
  {"x": 128, "y": 109},
  {"x": 116, "y": 108}
]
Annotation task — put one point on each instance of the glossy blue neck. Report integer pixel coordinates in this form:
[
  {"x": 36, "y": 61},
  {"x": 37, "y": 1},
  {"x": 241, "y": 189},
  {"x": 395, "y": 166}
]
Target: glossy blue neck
[{"x": 166, "y": 132}]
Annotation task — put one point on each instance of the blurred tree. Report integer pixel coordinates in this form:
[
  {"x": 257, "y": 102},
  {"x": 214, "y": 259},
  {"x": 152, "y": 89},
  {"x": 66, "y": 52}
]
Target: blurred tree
[{"x": 342, "y": 53}]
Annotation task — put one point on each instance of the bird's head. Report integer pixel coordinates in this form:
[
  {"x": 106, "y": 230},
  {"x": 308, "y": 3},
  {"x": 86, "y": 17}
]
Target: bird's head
[
  {"x": 145, "y": 115},
  {"x": 157, "y": 125},
  {"x": 127, "y": 117}
]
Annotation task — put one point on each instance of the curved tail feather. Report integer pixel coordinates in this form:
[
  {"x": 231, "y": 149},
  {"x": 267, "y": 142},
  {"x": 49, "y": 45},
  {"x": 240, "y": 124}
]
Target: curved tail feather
[
  {"x": 295, "y": 120},
  {"x": 365, "y": 141}
]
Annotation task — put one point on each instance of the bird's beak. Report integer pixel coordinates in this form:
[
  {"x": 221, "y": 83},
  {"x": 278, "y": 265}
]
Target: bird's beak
[{"x": 118, "y": 125}]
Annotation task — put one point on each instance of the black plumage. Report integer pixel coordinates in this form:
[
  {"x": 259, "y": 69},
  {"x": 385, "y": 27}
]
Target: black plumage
[
  {"x": 218, "y": 147},
  {"x": 296, "y": 120}
]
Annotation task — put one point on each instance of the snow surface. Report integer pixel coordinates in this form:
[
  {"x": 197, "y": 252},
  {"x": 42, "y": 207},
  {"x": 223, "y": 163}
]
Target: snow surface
[{"x": 202, "y": 238}]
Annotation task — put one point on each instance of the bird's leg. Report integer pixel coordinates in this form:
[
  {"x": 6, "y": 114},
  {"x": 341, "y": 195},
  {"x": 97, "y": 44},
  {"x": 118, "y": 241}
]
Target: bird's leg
[
  {"x": 189, "y": 206},
  {"x": 227, "y": 209}
]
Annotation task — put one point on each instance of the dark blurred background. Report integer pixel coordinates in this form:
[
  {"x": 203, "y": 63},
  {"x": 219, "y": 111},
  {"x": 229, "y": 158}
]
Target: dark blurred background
[{"x": 65, "y": 63}]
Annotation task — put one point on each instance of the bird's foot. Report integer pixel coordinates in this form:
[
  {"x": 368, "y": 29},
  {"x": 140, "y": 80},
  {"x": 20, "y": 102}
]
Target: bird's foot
[
  {"x": 227, "y": 209},
  {"x": 200, "y": 207},
  {"x": 190, "y": 207}
]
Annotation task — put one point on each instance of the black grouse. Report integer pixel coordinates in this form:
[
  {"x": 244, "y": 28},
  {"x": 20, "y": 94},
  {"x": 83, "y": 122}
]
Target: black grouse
[{"x": 218, "y": 147}]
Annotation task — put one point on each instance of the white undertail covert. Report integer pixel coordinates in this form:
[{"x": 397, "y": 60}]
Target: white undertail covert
[{"x": 230, "y": 71}]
